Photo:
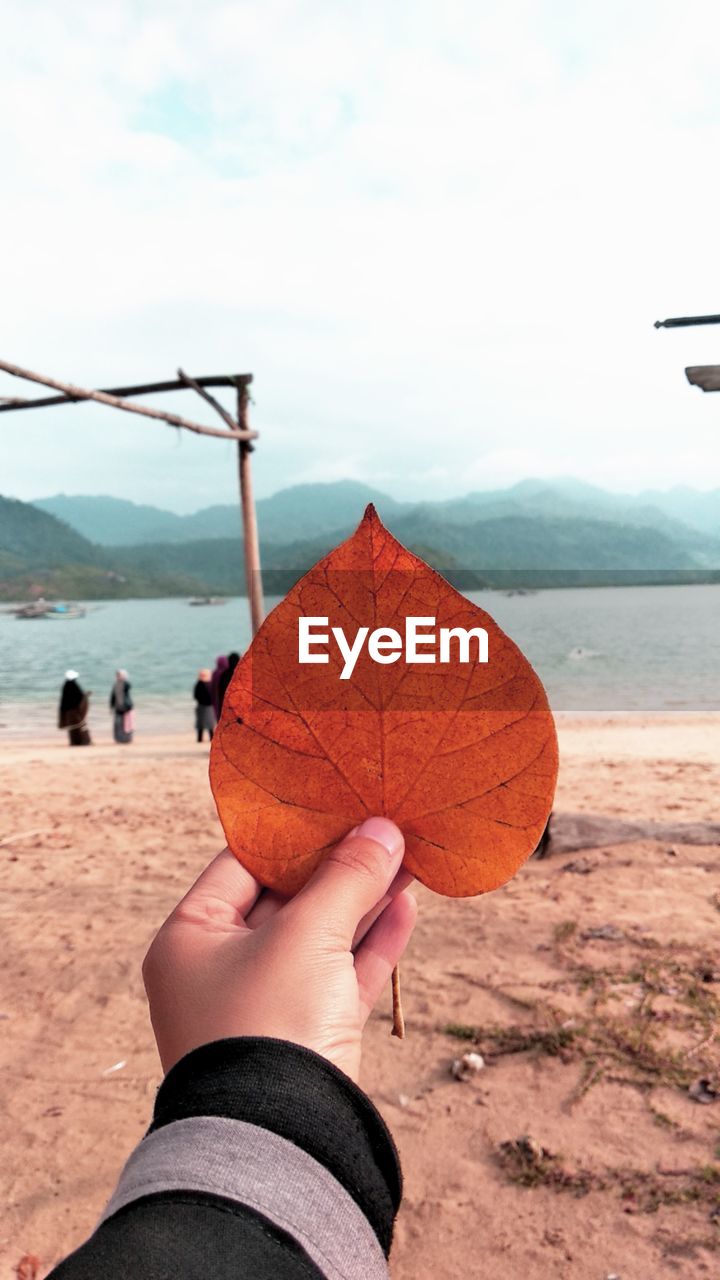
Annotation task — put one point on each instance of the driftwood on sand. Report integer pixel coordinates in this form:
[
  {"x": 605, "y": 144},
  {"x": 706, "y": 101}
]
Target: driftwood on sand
[{"x": 570, "y": 832}]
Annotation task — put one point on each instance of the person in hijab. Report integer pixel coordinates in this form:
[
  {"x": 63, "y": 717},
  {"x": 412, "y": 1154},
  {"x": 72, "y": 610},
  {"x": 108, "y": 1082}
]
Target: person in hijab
[
  {"x": 73, "y": 710},
  {"x": 122, "y": 705},
  {"x": 204, "y": 710},
  {"x": 226, "y": 677},
  {"x": 220, "y": 666}
]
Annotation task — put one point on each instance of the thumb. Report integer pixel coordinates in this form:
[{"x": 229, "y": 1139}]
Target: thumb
[{"x": 353, "y": 878}]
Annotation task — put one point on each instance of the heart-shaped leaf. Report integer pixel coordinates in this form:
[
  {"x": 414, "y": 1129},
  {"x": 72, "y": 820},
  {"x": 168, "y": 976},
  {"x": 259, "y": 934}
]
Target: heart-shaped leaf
[{"x": 460, "y": 753}]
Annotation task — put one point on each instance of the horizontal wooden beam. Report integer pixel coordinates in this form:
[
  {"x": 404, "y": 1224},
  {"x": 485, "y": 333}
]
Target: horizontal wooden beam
[
  {"x": 705, "y": 376},
  {"x": 69, "y": 391},
  {"x": 682, "y": 322},
  {"x": 10, "y": 403}
]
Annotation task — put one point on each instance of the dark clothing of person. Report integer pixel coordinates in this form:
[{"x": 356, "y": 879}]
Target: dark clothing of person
[
  {"x": 225, "y": 678},
  {"x": 70, "y": 698},
  {"x": 79, "y": 735},
  {"x": 126, "y": 703},
  {"x": 220, "y": 666},
  {"x": 72, "y": 714},
  {"x": 122, "y": 704},
  {"x": 263, "y": 1162},
  {"x": 204, "y": 710},
  {"x": 202, "y": 693}
]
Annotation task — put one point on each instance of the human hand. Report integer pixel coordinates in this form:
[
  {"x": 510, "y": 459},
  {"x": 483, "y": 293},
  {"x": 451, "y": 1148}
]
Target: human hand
[{"x": 234, "y": 959}]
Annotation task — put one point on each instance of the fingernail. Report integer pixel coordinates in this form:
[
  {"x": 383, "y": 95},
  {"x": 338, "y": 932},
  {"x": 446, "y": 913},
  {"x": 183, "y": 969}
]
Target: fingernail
[{"x": 385, "y": 832}]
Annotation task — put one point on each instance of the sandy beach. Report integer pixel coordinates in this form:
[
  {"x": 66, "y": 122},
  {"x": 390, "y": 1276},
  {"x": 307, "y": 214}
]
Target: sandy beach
[{"x": 585, "y": 1148}]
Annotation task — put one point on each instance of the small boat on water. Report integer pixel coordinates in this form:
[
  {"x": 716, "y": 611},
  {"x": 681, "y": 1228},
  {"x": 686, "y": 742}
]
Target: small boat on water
[
  {"x": 207, "y": 600},
  {"x": 67, "y": 611},
  {"x": 42, "y": 609}
]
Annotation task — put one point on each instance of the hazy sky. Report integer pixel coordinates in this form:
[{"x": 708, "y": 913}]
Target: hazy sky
[{"x": 438, "y": 234}]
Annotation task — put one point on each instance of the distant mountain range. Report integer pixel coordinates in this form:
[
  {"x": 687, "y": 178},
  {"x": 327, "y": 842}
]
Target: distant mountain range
[
  {"x": 534, "y": 534},
  {"x": 308, "y": 511},
  {"x": 305, "y": 511},
  {"x": 40, "y": 554}
]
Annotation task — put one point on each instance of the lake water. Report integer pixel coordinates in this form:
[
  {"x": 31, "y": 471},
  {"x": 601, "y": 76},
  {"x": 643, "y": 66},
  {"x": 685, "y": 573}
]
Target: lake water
[{"x": 641, "y": 649}]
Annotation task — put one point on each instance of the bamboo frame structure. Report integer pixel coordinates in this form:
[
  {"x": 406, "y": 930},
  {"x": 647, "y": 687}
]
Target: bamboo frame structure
[
  {"x": 234, "y": 429},
  {"x": 145, "y": 388},
  {"x": 116, "y": 402}
]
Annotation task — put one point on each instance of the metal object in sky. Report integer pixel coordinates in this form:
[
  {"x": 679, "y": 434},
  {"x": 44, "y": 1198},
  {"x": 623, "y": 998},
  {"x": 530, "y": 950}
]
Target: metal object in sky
[{"x": 683, "y": 322}]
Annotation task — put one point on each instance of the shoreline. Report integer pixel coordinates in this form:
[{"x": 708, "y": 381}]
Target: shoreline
[
  {"x": 606, "y": 578},
  {"x": 660, "y": 735}
]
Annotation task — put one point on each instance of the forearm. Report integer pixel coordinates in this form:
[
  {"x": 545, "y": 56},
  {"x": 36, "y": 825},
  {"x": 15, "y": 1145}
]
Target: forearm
[{"x": 262, "y": 1160}]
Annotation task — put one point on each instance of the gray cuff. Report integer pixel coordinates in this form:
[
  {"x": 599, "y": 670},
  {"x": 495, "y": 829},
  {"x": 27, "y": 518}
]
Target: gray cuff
[{"x": 255, "y": 1167}]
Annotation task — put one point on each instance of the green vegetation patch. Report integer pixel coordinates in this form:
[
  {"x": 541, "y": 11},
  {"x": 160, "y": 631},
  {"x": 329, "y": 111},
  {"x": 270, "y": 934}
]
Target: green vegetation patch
[{"x": 526, "y": 1163}]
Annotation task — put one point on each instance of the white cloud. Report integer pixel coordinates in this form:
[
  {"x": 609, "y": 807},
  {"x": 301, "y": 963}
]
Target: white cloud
[{"x": 438, "y": 236}]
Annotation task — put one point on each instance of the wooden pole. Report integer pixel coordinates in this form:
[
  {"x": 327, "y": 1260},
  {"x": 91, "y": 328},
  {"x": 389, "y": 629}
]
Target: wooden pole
[{"x": 253, "y": 574}]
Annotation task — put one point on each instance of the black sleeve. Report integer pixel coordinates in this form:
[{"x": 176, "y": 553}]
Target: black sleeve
[
  {"x": 221, "y": 690},
  {"x": 262, "y": 1162}
]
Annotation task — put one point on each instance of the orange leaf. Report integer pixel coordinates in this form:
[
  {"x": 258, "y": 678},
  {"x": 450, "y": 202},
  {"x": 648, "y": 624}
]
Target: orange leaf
[{"x": 462, "y": 755}]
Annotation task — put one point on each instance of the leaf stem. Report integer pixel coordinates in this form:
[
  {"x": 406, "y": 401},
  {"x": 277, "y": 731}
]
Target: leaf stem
[{"x": 398, "y": 1026}]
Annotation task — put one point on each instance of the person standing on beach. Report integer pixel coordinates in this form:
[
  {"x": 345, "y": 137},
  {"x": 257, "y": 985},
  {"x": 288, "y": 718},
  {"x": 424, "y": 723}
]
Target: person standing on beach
[
  {"x": 226, "y": 677},
  {"x": 122, "y": 705},
  {"x": 73, "y": 710},
  {"x": 220, "y": 666},
  {"x": 204, "y": 710}
]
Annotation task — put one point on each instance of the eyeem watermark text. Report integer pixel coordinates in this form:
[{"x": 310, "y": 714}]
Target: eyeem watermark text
[{"x": 423, "y": 641}]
